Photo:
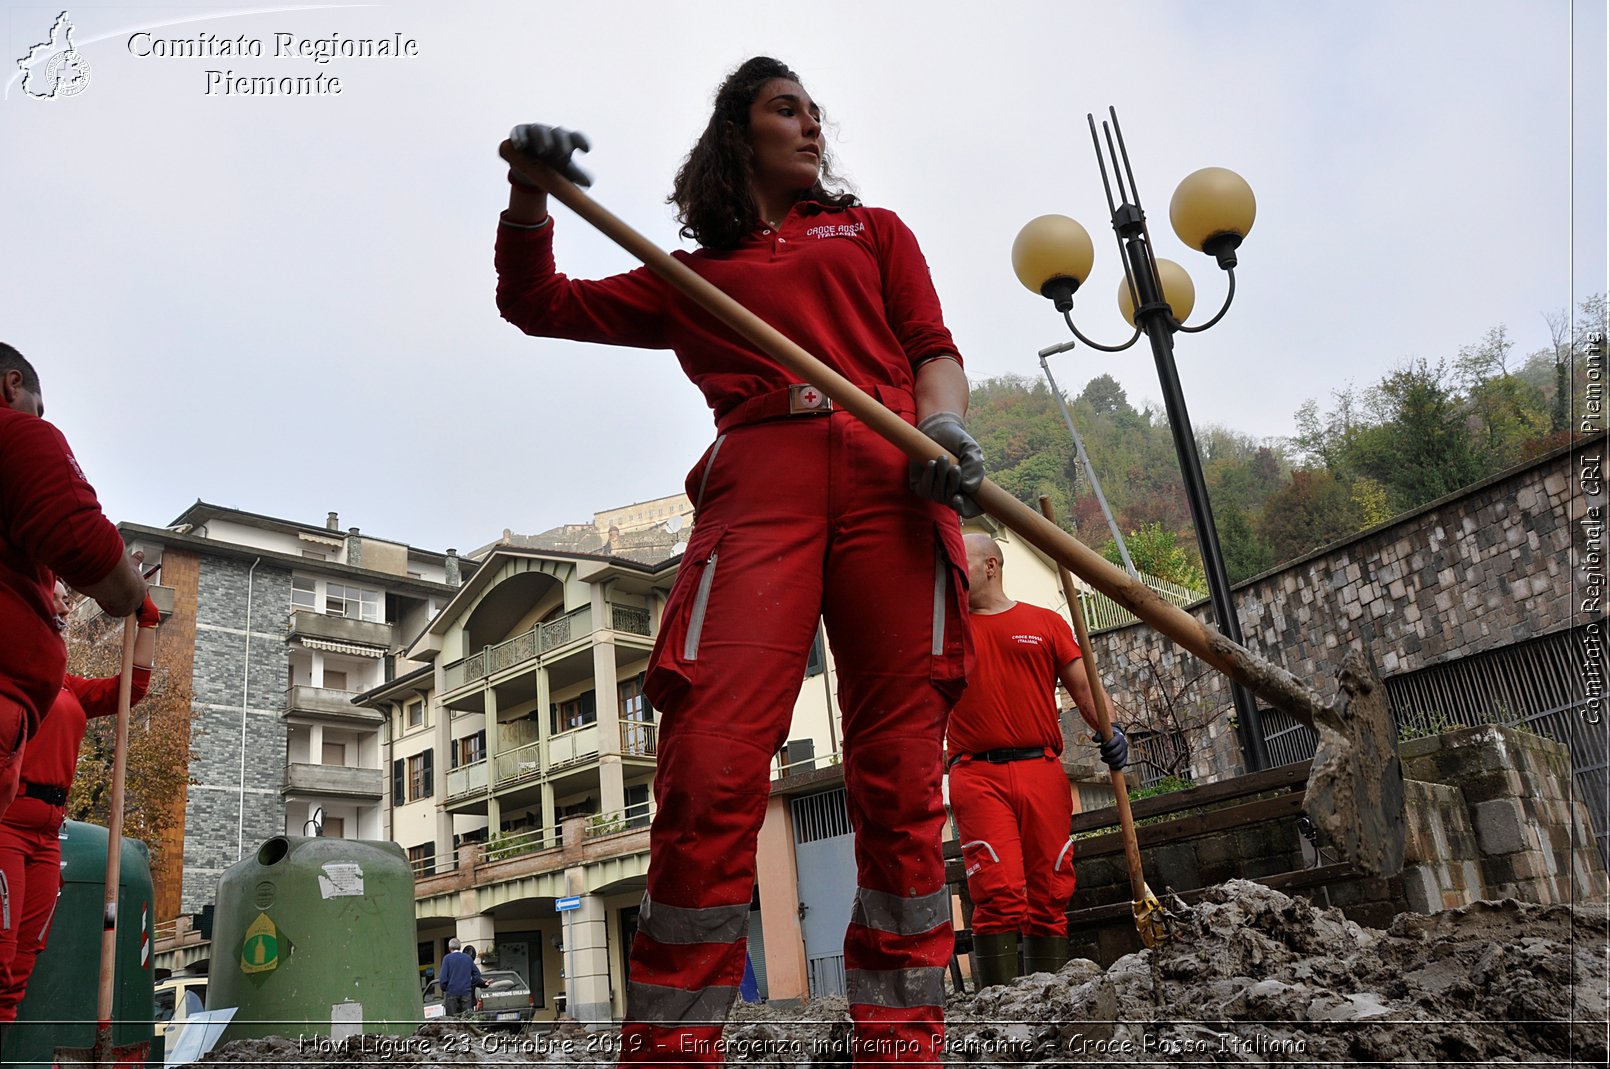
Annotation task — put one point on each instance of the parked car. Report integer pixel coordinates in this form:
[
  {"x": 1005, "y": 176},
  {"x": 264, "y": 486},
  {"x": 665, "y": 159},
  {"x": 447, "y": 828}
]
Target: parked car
[
  {"x": 506, "y": 1000},
  {"x": 434, "y": 1001},
  {"x": 177, "y": 999}
]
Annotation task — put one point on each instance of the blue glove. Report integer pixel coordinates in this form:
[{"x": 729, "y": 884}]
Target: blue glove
[
  {"x": 1115, "y": 751},
  {"x": 552, "y": 145},
  {"x": 948, "y": 483}
]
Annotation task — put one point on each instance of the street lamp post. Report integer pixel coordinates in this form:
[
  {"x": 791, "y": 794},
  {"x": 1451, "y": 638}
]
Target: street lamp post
[{"x": 1212, "y": 210}]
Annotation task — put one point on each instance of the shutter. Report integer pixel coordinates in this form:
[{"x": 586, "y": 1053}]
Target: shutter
[
  {"x": 430, "y": 781},
  {"x": 399, "y": 782}
]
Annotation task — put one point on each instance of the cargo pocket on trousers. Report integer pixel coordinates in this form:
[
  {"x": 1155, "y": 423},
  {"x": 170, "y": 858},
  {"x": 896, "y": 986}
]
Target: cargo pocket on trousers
[
  {"x": 952, "y": 649},
  {"x": 675, "y": 662}
]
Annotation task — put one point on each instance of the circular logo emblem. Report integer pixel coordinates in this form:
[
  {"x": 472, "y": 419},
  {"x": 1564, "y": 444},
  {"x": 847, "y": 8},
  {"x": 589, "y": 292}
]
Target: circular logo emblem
[
  {"x": 67, "y": 74},
  {"x": 265, "y": 895}
]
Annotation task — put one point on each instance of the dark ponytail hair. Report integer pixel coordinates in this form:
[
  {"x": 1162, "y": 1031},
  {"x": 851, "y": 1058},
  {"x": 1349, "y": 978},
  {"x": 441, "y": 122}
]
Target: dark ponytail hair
[{"x": 713, "y": 198}]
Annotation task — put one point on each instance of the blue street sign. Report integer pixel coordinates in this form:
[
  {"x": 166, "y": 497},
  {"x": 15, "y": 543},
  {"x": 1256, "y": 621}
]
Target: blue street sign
[{"x": 562, "y": 904}]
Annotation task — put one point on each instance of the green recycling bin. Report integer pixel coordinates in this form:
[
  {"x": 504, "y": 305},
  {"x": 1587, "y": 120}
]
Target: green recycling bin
[
  {"x": 316, "y": 937},
  {"x": 58, "y": 1012}
]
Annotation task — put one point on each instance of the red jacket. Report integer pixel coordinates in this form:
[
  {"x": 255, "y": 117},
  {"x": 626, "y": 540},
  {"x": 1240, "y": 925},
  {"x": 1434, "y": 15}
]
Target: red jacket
[
  {"x": 858, "y": 296},
  {"x": 50, "y": 525},
  {"x": 52, "y": 756}
]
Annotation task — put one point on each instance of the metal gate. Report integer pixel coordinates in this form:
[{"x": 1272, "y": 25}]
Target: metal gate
[
  {"x": 824, "y": 855},
  {"x": 1540, "y": 685}
]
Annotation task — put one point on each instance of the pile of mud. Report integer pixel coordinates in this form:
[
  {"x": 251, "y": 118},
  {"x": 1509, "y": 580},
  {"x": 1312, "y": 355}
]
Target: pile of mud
[{"x": 1251, "y": 977}]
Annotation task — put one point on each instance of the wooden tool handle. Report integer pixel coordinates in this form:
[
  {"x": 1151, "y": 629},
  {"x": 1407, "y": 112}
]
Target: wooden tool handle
[
  {"x": 114, "y": 837},
  {"x": 1273, "y": 683},
  {"x": 1098, "y": 694}
]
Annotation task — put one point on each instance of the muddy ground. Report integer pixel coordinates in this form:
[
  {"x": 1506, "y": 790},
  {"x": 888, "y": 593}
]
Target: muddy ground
[{"x": 1253, "y": 977}]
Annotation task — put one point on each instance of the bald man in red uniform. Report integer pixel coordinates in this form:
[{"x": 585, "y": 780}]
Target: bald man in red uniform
[
  {"x": 1008, "y": 792},
  {"x": 51, "y": 526}
]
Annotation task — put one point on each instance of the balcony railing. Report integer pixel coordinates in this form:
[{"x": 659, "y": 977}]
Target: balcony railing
[
  {"x": 629, "y": 819},
  {"x": 571, "y": 747},
  {"x": 520, "y": 763},
  {"x": 309, "y": 623},
  {"x": 639, "y": 738},
  {"x": 466, "y": 779},
  {"x": 423, "y": 866},
  {"x": 505, "y": 845},
  {"x": 1100, "y": 611},
  {"x": 632, "y": 621},
  {"x": 305, "y": 778},
  {"x": 323, "y": 701},
  {"x": 541, "y": 639}
]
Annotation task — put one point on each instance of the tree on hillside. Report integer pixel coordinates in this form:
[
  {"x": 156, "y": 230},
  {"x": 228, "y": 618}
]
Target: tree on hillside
[
  {"x": 1245, "y": 552},
  {"x": 159, "y": 742},
  {"x": 1157, "y": 552},
  {"x": 1314, "y": 509}
]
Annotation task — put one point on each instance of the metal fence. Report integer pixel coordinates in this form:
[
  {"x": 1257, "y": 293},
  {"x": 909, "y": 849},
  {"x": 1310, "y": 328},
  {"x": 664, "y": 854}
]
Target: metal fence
[
  {"x": 1540, "y": 685},
  {"x": 1102, "y": 612}
]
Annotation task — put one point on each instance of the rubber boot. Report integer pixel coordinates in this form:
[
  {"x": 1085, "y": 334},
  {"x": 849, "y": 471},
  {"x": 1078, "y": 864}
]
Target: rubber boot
[
  {"x": 994, "y": 959},
  {"x": 1044, "y": 953}
]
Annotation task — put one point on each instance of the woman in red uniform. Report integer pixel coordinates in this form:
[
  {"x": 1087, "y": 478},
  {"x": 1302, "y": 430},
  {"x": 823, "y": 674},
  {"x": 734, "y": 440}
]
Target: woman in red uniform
[
  {"x": 802, "y": 512},
  {"x": 30, "y": 850}
]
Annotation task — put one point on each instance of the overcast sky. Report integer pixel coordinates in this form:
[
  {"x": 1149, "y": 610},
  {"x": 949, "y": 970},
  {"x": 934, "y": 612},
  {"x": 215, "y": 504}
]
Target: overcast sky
[{"x": 285, "y": 305}]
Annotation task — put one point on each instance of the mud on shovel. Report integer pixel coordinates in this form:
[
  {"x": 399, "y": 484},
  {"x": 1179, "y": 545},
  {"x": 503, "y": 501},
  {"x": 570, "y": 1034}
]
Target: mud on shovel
[
  {"x": 1355, "y": 789},
  {"x": 1152, "y": 921}
]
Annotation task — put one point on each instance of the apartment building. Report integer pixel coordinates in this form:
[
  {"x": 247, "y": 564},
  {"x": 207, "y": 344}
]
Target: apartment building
[{"x": 277, "y": 625}]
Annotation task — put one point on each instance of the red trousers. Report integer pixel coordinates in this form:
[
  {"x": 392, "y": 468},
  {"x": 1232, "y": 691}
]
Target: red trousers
[
  {"x": 1013, "y": 820},
  {"x": 30, "y": 880},
  {"x": 800, "y": 518}
]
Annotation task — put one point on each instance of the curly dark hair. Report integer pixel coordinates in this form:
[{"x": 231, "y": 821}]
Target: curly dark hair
[{"x": 712, "y": 195}]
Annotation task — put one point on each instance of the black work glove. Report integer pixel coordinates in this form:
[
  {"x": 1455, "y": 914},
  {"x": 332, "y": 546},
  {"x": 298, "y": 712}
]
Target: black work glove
[
  {"x": 940, "y": 479},
  {"x": 552, "y": 145},
  {"x": 1115, "y": 751}
]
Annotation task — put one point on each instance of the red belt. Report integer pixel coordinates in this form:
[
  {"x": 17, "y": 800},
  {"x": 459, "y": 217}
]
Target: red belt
[{"x": 803, "y": 399}]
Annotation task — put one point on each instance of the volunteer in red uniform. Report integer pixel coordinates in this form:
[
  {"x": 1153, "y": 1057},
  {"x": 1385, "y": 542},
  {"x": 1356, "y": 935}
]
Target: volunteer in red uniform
[
  {"x": 1008, "y": 792},
  {"x": 802, "y": 512},
  {"x": 50, "y": 525},
  {"x": 30, "y": 847}
]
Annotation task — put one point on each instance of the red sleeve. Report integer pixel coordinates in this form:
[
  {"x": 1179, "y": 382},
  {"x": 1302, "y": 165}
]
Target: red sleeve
[
  {"x": 628, "y": 309},
  {"x": 50, "y": 510},
  {"x": 909, "y": 299},
  {"x": 99, "y": 696},
  {"x": 1063, "y": 644}
]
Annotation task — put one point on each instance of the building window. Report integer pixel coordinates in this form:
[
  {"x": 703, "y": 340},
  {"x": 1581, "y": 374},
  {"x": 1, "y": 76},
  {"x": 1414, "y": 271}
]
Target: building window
[
  {"x": 575, "y": 713},
  {"x": 422, "y": 859},
  {"x": 412, "y": 778},
  {"x": 415, "y": 714},
  {"x": 314, "y": 554},
  {"x": 816, "y": 663},
  {"x": 634, "y": 704},
  {"x": 335, "y": 753},
  {"x": 333, "y": 828},
  {"x": 303, "y": 594},
  {"x": 469, "y": 749},
  {"x": 334, "y": 679},
  {"x": 353, "y": 602}
]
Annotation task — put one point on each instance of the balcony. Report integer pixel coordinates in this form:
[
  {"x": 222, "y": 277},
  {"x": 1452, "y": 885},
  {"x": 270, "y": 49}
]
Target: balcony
[
  {"x": 517, "y": 765},
  {"x": 466, "y": 779},
  {"x": 329, "y": 704},
  {"x": 573, "y": 747},
  {"x": 542, "y": 639},
  {"x": 342, "y": 629},
  {"x": 639, "y": 738},
  {"x": 366, "y": 783}
]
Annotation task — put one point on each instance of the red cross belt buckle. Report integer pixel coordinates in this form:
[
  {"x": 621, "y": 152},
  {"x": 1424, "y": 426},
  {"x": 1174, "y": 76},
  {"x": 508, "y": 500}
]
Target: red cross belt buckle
[{"x": 804, "y": 398}]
